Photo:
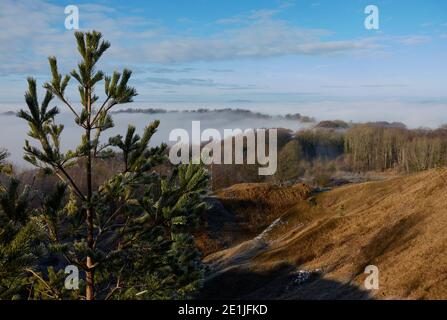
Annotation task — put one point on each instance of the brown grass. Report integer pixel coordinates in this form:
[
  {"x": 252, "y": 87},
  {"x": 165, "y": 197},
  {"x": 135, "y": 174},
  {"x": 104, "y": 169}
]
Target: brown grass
[
  {"x": 242, "y": 211},
  {"x": 399, "y": 225},
  {"x": 258, "y": 204}
]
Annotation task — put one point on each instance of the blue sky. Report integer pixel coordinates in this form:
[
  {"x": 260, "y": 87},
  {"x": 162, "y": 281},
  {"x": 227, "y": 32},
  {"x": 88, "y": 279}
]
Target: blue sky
[{"x": 245, "y": 50}]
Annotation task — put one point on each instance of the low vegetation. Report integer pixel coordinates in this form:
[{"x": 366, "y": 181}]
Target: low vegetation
[{"x": 333, "y": 152}]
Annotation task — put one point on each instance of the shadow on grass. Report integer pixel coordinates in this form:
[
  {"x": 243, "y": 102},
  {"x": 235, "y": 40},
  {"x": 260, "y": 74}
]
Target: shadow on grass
[{"x": 280, "y": 283}]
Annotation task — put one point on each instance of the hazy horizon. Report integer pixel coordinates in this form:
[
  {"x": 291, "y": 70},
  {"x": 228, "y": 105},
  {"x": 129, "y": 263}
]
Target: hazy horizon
[{"x": 14, "y": 129}]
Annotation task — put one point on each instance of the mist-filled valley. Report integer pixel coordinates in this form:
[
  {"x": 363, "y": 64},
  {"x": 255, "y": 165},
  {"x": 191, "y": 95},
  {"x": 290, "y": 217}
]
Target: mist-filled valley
[
  {"x": 14, "y": 129},
  {"x": 220, "y": 116}
]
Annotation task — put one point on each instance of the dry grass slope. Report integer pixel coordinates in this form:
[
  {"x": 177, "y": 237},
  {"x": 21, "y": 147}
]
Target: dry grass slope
[
  {"x": 242, "y": 211},
  {"x": 399, "y": 225}
]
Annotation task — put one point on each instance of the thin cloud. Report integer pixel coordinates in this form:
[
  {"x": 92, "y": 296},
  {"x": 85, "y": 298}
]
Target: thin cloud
[
  {"x": 261, "y": 14},
  {"x": 193, "y": 82},
  {"x": 147, "y": 41},
  {"x": 221, "y": 70},
  {"x": 264, "y": 39},
  {"x": 170, "y": 70},
  {"x": 397, "y": 85},
  {"x": 413, "y": 40},
  {"x": 371, "y": 86}
]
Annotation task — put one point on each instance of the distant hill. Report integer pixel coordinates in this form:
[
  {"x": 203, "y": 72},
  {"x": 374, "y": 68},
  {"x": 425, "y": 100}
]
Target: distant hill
[
  {"x": 340, "y": 124},
  {"x": 332, "y": 124},
  {"x": 8, "y": 113},
  {"x": 386, "y": 124},
  {"x": 240, "y": 112}
]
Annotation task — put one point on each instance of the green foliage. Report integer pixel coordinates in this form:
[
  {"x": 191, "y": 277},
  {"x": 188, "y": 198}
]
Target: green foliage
[
  {"x": 42, "y": 128},
  {"x": 136, "y": 154},
  {"x": 51, "y": 286},
  {"x": 156, "y": 246},
  {"x": 4, "y": 167},
  {"x": 130, "y": 235},
  {"x": 17, "y": 235}
]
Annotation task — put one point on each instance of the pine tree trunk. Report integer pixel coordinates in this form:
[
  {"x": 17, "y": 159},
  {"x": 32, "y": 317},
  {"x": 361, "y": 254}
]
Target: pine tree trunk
[
  {"x": 90, "y": 275},
  {"x": 90, "y": 283}
]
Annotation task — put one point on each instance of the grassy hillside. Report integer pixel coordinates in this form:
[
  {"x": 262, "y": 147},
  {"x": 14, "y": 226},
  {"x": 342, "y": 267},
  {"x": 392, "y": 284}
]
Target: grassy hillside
[
  {"x": 321, "y": 245},
  {"x": 242, "y": 211}
]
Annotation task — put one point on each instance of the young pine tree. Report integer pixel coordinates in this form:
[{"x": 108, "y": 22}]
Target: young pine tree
[{"x": 131, "y": 234}]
